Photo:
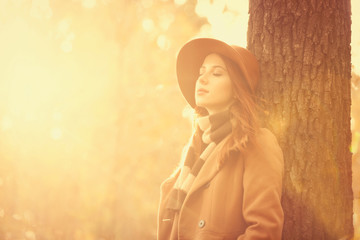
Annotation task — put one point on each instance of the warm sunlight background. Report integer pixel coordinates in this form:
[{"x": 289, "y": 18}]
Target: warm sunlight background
[{"x": 91, "y": 118}]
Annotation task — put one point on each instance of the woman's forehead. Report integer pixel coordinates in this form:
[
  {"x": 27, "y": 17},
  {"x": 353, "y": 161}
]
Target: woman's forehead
[{"x": 214, "y": 59}]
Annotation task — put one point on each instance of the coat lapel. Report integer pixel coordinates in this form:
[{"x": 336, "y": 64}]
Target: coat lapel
[{"x": 208, "y": 171}]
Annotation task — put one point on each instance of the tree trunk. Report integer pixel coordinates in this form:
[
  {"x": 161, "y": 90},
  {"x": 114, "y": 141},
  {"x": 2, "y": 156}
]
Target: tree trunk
[{"x": 304, "y": 52}]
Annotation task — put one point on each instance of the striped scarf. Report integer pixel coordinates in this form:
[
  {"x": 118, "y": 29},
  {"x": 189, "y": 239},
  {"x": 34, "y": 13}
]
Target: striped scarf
[{"x": 214, "y": 129}]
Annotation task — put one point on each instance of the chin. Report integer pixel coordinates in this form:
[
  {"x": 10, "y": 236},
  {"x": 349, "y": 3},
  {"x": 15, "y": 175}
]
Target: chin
[{"x": 200, "y": 104}]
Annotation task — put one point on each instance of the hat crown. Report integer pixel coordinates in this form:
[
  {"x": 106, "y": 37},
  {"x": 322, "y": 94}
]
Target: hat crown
[{"x": 251, "y": 66}]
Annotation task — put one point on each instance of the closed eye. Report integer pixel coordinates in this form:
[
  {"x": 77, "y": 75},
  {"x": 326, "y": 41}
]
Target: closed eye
[{"x": 215, "y": 71}]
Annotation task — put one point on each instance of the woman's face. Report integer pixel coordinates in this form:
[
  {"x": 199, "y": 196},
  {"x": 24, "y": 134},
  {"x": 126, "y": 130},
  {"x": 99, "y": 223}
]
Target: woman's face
[{"x": 213, "y": 89}]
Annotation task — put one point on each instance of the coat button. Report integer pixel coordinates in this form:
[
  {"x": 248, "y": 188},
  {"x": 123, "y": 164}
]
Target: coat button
[{"x": 201, "y": 223}]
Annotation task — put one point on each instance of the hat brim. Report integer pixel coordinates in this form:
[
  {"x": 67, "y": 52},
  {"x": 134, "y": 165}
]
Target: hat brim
[{"x": 191, "y": 57}]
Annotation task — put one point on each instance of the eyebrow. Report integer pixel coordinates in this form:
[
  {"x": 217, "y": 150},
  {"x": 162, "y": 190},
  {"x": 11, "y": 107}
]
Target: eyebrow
[{"x": 215, "y": 66}]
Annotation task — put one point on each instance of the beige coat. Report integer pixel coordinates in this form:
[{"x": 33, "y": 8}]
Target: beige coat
[{"x": 241, "y": 200}]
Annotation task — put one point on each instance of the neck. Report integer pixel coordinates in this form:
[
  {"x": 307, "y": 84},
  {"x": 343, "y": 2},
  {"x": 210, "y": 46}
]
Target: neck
[{"x": 214, "y": 110}]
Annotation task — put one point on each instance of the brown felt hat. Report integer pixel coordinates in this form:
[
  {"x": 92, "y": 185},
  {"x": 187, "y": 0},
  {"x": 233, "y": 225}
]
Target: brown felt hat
[{"x": 193, "y": 53}]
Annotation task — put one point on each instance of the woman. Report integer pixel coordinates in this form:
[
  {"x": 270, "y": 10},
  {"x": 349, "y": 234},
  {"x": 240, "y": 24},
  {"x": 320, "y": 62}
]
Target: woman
[{"x": 229, "y": 183}]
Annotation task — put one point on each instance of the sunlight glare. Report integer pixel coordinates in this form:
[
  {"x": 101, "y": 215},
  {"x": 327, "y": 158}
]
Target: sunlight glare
[
  {"x": 17, "y": 217},
  {"x": 180, "y": 2},
  {"x": 159, "y": 87},
  {"x": 56, "y": 133},
  {"x": 29, "y": 87},
  {"x": 41, "y": 9},
  {"x": 88, "y": 3},
  {"x": 6, "y": 123},
  {"x": 188, "y": 113},
  {"x": 165, "y": 20},
  {"x": 163, "y": 42},
  {"x": 62, "y": 28},
  {"x": 67, "y": 45},
  {"x": 228, "y": 20},
  {"x": 355, "y": 143},
  {"x": 57, "y": 116},
  {"x": 147, "y": 3},
  {"x": 30, "y": 235},
  {"x": 148, "y": 25}
]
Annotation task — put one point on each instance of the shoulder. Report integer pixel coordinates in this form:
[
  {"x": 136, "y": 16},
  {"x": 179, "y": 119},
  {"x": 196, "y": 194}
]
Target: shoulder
[
  {"x": 265, "y": 149},
  {"x": 265, "y": 135},
  {"x": 265, "y": 139}
]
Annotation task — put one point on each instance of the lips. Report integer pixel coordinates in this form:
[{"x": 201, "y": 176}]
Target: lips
[{"x": 201, "y": 91}]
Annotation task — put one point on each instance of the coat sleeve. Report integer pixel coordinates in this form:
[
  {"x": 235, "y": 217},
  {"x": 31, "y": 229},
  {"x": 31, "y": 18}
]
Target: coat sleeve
[{"x": 263, "y": 173}]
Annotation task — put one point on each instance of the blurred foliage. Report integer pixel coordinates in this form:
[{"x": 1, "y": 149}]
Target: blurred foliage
[{"x": 91, "y": 117}]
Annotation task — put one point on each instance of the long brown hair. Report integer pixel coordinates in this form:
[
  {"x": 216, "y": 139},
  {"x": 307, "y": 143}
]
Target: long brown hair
[{"x": 243, "y": 112}]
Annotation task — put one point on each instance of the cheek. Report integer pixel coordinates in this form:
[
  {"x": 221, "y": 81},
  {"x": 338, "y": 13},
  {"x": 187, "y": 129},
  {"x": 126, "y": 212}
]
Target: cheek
[{"x": 226, "y": 89}]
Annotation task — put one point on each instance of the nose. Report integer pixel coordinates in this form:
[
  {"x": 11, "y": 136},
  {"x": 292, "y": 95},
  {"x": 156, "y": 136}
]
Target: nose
[{"x": 203, "y": 79}]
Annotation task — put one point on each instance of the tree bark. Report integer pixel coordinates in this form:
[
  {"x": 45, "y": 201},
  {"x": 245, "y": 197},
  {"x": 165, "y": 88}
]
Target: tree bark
[{"x": 303, "y": 49}]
